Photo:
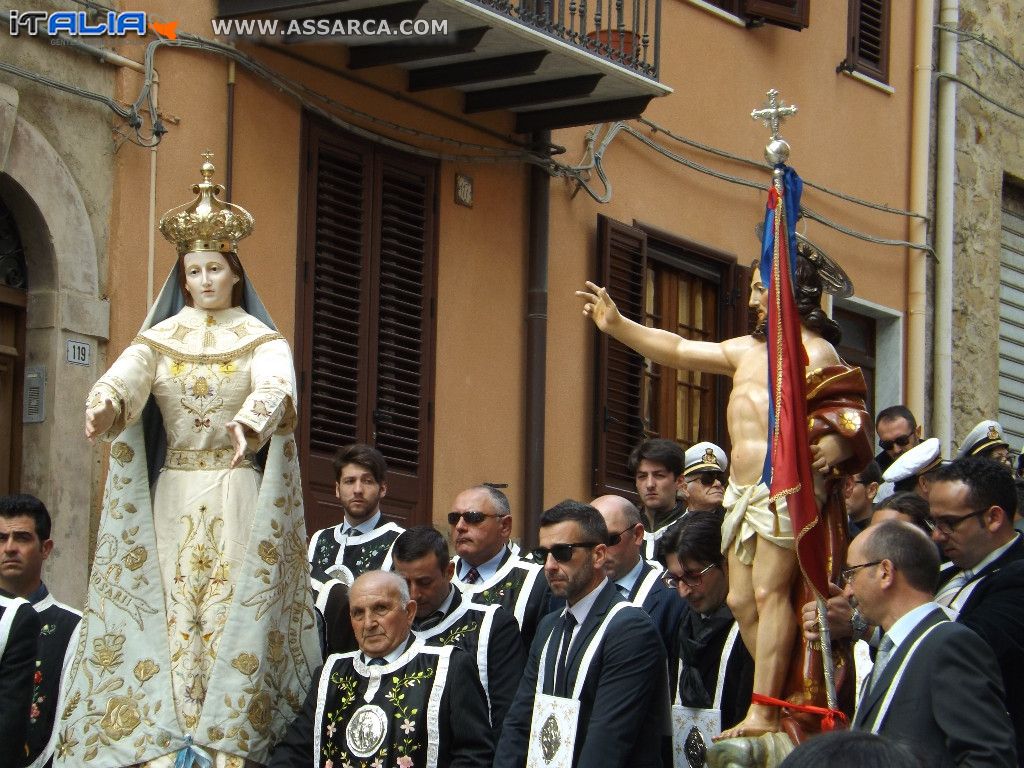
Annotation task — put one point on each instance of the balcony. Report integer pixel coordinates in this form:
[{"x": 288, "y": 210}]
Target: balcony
[{"x": 553, "y": 63}]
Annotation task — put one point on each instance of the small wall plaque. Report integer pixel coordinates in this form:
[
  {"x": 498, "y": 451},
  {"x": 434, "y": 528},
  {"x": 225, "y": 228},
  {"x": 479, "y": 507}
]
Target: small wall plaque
[
  {"x": 464, "y": 190},
  {"x": 79, "y": 352}
]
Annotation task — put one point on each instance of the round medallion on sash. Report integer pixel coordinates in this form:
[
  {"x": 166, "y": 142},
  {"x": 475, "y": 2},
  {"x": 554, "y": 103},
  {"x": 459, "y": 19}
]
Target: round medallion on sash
[
  {"x": 365, "y": 732},
  {"x": 550, "y": 738},
  {"x": 696, "y": 749},
  {"x": 342, "y": 573}
]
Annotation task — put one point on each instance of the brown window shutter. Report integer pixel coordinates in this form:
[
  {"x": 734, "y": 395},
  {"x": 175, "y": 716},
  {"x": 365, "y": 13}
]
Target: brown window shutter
[
  {"x": 794, "y": 14},
  {"x": 364, "y": 343},
  {"x": 623, "y": 260},
  {"x": 868, "y": 35},
  {"x": 404, "y": 361}
]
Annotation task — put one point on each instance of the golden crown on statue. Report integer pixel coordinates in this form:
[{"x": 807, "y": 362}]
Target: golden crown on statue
[{"x": 207, "y": 223}]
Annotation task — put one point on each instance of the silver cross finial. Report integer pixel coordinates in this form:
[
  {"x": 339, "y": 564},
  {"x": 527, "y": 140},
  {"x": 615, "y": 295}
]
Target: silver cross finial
[{"x": 774, "y": 113}]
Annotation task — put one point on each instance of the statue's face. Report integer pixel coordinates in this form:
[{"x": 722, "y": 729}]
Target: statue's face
[
  {"x": 209, "y": 279},
  {"x": 758, "y": 297}
]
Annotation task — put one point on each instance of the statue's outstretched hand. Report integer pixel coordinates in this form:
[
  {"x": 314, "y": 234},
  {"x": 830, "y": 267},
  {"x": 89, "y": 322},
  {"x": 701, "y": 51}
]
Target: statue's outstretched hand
[
  {"x": 828, "y": 452},
  {"x": 599, "y": 307},
  {"x": 98, "y": 420},
  {"x": 236, "y": 432}
]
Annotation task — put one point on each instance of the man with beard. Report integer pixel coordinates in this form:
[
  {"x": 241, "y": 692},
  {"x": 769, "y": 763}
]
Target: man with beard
[
  {"x": 596, "y": 670},
  {"x": 362, "y": 540},
  {"x": 758, "y": 535}
]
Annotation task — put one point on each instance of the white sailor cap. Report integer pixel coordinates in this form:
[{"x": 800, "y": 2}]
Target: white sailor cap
[
  {"x": 988, "y": 434},
  {"x": 704, "y": 457},
  {"x": 923, "y": 457}
]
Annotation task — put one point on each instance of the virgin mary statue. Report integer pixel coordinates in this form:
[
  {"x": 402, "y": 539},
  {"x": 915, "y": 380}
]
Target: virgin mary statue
[{"x": 198, "y": 638}]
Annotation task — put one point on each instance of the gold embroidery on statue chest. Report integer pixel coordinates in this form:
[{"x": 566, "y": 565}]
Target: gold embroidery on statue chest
[{"x": 201, "y": 388}]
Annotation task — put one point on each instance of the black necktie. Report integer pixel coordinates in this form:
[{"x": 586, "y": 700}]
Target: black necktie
[
  {"x": 472, "y": 576},
  {"x": 377, "y": 662},
  {"x": 568, "y": 625},
  {"x": 429, "y": 622}
]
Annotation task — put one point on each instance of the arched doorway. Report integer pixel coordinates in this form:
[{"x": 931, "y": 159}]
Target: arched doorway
[{"x": 13, "y": 299}]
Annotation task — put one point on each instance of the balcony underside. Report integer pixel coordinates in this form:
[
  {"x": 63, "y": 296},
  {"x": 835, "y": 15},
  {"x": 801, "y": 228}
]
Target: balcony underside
[{"x": 497, "y": 62}]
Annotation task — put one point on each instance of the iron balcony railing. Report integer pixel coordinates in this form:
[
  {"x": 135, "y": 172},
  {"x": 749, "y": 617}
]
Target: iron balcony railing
[{"x": 626, "y": 32}]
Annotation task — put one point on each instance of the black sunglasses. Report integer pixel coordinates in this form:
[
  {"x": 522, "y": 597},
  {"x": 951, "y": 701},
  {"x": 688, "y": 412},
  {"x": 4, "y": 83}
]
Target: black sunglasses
[
  {"x": 561, "y": 552},
  {"x": 472, "y": 517},
  {"x": 707, "y": 479},
  {"x": 615, "y": 538},
  {"x": 901, "y": 441}
]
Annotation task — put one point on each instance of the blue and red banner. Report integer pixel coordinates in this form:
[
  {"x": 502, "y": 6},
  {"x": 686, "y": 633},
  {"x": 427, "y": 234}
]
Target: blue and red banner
[{"x": 787, "y": 466}]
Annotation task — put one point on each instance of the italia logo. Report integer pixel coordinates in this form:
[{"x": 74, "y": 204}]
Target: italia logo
[{"x": 84, "y": 24}]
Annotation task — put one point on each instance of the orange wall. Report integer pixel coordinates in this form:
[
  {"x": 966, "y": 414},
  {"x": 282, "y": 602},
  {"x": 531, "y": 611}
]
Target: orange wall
[{"x": 847, "y": 135}]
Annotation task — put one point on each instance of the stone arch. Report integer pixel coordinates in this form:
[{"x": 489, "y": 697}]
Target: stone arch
[{"x": 63, "y": 304}]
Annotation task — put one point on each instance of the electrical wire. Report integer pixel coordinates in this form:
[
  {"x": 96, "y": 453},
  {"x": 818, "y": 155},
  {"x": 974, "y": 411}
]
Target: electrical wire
[
  {"x": 974, "y": 89},
  {"x": 983, "y": 40}
]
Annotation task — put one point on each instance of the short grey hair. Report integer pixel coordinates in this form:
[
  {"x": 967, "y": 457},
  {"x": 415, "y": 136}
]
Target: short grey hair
[
  {"x": 397, "y": 582},
  {"x": 498, "y": 499}
]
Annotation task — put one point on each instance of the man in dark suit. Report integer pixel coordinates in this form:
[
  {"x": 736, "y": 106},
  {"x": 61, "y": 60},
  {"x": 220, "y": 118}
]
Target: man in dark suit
[
  {"x": 621, "y": 687},
  {"x": 394, "y": 701},
  {"x": 362, "y": 541},
  {"x": 635, "y": 578},
  {"x": 707, "y": 631},
  {"x": 897, "y": 431},
  {"x": 25, "y": 544},
  {"x": 19, "y": 634},
  {"x": 972, "y": 505},
  {"x": 935, "y": 684},
  {"x": 488, "y": 633}
]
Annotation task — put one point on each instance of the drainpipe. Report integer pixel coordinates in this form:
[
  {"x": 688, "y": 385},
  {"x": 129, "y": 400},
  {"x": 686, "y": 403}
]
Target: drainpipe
[
  {"x": 536, "y": 342},
  {"x": 229, "y": 169},
  {"x": 920, "y": 164},
  {"x": 945, "y": 176}
]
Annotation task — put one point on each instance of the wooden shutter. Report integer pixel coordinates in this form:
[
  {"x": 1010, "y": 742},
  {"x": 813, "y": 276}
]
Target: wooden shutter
[
  {"x": 365, "y": 327},
  {"x": 868, "y": 36},
  {"x": 402, "y": 417},
  {"x": 12, "y": 377},
  {"x": 623, "y": 255},
  {"x": 794, "y": 14}
]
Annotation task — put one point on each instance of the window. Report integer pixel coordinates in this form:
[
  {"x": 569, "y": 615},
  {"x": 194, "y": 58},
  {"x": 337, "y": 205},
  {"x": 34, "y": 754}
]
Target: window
[
  {"x": 365, "y": 326},
  {"x": 868, "y": 39},
  {"x": 794, "y": 14},
  {"x": 13, "y": 300},
  {"x": 858, "y": 346},
  {"x": 664, "y": 282},
  {"x": 1011, "y": 315}
]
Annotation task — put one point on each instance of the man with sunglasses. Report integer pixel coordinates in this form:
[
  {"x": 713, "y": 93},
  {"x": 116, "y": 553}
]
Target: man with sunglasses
[
  {"x": 897, "y": 431},
  {"x": 599, "y": 661},
  {"x": 915, "y": 469},
  {"x": 934, "y": 684},
  {"x": 636, "y": 579},
  {"x": 488, "y": 568},
  {"x": 706, "y": 465}
]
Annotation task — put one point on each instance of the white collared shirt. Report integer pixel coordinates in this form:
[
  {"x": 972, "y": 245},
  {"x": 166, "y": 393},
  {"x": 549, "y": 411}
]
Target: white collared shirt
[
  {"x": 363, "y": 528},
  {"x": 629, "y": 580},
  {"x": 486, "y": 570},
  {"x": 392, "y": 657},
  {"x": 905, "y": 624},
  {"x": 582, "y": 608}
]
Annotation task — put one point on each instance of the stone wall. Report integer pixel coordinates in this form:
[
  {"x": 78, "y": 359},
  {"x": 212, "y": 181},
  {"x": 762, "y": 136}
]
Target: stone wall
[{"x": 990, "y": 148}]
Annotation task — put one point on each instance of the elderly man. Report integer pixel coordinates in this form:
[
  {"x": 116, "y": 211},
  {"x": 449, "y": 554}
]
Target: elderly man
[
  {"x": 987, "y": 440},
  {"x": 935, "y": 684},
  {"x": 488, "y": 633},
  {"x": 25, "y": 544},
  {"x": 393, "y": 702},
  {"x": 635, "y": 578},
  {"x": 595, "y": 688},
  {"x": 705, "y": 474},
  {"x": 488, "y": 568}
]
